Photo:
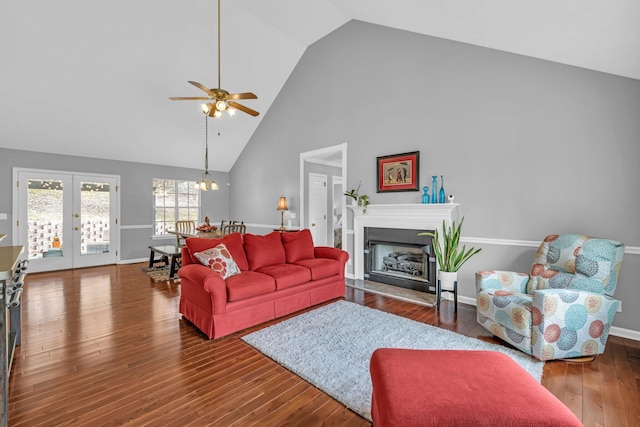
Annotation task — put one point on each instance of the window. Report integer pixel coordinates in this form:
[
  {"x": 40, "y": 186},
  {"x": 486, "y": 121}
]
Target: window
[{"x": 174, "y": 200}]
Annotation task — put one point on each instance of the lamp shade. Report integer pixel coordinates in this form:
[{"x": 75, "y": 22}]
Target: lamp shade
[{"x": 282, "y": 204}]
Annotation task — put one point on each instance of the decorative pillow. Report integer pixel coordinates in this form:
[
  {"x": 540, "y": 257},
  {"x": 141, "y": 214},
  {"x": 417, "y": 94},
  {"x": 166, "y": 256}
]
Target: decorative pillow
[
  {"x": 199, "y": 244},
  {"x": 220, "y": 260},
  {"x": 298, "y": 245},
  {"x": 264, "y": 250},
  {"x": 233, "y": 242}
]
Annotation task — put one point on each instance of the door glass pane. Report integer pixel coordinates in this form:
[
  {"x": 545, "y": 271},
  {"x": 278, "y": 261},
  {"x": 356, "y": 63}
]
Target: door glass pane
[
  {"x": 44, "y": 218},
  {"x": 94, "y": 215}
]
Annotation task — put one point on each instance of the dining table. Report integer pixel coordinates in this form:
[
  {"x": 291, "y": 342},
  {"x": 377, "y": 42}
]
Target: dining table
[{"x": 196, "y": 233}]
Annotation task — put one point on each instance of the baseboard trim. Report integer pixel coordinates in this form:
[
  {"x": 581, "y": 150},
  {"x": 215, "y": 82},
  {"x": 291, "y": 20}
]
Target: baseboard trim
[
  {"x": 614, "y": 330},
  {"x": 625, "y": 333},
  {"x": 133, "y": 261}
]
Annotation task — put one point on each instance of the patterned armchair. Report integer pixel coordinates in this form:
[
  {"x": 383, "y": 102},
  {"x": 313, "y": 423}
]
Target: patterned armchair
[{"x": 562, "y": 309}]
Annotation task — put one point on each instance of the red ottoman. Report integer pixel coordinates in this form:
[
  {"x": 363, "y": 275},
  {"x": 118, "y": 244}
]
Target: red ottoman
[{"x": 459, "y": 388}]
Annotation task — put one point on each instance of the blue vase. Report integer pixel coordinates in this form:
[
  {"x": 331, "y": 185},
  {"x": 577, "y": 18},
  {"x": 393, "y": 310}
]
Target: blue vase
[
  {"x": 443, "y": 195},
  {"x": 425, "y": 195},
  {"x": 434, "y": 189}
]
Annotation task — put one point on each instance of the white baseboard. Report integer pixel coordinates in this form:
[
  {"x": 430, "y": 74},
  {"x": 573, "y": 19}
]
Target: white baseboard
[
  {"x": 615, "y": 330},
  {"x": 625, "y": 333},
  {"x": 133, "y": 261}
]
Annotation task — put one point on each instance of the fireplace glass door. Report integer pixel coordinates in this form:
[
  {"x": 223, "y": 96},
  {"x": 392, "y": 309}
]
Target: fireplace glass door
[{"x": 400, "y": 258}]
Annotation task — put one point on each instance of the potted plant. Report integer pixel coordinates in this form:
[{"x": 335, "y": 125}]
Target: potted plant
[
  {"x": 446, "y": 248},
  {"x": 361, "y": 200}
]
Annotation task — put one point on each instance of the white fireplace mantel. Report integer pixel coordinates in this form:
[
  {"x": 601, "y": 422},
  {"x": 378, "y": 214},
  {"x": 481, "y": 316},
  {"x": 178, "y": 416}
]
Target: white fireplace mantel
[{"x": 405, "y": 216}]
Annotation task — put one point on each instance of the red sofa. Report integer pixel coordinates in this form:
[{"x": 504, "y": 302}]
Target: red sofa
[{"x": 277, "y": 274}]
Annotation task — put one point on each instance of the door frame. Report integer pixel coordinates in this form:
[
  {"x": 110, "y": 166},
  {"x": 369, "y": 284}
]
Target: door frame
[
  {"x": 115, "y": 234},
  {"x": 319, "y": 156}
]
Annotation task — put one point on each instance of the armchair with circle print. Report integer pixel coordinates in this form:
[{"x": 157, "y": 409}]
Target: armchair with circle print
[{"x": 564, "y": 308}]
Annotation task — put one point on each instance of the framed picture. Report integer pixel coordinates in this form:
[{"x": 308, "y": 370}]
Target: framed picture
[{"x": 398, "y": 172}]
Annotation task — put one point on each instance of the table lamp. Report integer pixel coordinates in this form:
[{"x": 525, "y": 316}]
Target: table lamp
[{"x": 282, "y": 206}]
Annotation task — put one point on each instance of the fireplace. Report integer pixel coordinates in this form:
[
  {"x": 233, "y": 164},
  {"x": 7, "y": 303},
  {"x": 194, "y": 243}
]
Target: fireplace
[
  {"x": 399, "y": 257},
  {"x": 407, "y": 220}
]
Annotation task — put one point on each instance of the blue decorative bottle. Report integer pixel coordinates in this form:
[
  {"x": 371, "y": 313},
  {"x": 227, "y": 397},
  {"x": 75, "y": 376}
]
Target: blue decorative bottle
[
  {"x": 425, "y": 195},
  {"x": 434, "y": 189},
  {"x": 443, "y": 195}
]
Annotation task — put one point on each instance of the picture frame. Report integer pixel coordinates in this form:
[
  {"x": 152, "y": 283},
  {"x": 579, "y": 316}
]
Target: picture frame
[{"x": 398, "y": 172}]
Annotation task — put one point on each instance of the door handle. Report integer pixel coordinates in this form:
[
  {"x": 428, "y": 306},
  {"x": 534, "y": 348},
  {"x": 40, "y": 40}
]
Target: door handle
[
  {"x": 77, "y": 215},
  {"x": 77, "y": 228},
  {"x": 313, "y": 224}
]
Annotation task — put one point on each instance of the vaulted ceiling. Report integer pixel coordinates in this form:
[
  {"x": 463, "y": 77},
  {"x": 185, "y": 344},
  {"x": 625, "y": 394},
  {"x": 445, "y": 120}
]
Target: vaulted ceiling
[{"x": 93, "y": 78}]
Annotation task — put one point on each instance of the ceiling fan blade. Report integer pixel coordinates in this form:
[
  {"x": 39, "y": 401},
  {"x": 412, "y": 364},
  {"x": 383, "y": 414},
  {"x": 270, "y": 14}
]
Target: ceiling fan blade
[
  {"x": 203, "y": 87},
  {"x": 241, "y": 107},
  {"x": 188, "y": 98},
  {"x": 244, "y": 95}
]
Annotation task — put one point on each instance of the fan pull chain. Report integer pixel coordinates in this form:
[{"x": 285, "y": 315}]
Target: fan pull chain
[{"x": 206, "y": 143}]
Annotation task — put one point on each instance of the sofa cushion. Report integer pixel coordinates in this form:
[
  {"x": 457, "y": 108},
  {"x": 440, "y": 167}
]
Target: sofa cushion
[
  {"x": 219, "y": 259},
  {"x": 297, "y": 245},
  {"x": 320, "y": 267},
  {"x": 264, "y": 250},
  {"x": 233, "y": 242},
  {"x": 286, "y": 275},
  {"x": 249, "y": 284}
]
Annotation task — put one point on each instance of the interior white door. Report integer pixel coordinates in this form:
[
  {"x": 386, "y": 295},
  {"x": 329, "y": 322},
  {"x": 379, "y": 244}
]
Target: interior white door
[
  {"x": 318, "y": 208},
  {"x": 66, "y": 220}
]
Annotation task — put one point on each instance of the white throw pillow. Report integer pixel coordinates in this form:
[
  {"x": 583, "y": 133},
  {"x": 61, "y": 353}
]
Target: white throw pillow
[{"x": 219, "y": 259}]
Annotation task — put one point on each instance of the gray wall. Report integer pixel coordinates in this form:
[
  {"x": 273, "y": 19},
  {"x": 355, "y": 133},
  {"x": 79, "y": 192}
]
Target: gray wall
[
  {"x": 135, "y": 192},
  {"x": 528, "y": 147}
]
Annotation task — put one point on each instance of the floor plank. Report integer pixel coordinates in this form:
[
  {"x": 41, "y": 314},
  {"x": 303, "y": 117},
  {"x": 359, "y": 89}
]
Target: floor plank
[{"x": 106, "y": 346}]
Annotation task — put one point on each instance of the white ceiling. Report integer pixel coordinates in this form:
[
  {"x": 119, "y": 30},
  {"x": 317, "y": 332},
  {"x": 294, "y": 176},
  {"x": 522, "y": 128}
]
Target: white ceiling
[{"x": 93, "y": 78}]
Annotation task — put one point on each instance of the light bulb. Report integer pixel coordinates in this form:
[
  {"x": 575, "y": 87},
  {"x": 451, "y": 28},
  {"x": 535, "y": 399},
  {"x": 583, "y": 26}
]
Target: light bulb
[
  {"x": 206, "y": 108},
  {"x": 231, "y": 111},
  {"x": 221, "y": 105},
  {"x": 218, "y": 113}
]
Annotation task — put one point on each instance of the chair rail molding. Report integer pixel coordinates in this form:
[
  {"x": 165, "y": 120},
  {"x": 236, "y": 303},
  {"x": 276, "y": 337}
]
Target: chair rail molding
[{"x": 631, "y": 250}]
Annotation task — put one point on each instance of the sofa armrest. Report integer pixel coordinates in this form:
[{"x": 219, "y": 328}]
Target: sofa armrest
[
  {"x": 506, "y": 280},
  {"x": 186, "y": 256},
  {"x": 570, "y": 323},
  {"x": 333, "y": 253},
  {"x": 198, "y": 275}
]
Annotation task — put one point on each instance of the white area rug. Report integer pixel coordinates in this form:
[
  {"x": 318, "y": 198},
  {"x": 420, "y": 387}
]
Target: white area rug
[{"x": 331, "y": 346}]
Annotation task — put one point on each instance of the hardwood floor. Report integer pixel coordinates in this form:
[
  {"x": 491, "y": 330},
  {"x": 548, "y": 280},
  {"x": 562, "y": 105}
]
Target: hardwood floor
[{"x": 106, "y": 346}]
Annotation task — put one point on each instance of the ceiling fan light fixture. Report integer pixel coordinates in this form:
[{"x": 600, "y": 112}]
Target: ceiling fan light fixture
[
  {"x": 221, "y": 105},
  {"x": 218, "y": 98},
  {"x": 206, "y": 108},
  {"x": 231, "y": 111}
]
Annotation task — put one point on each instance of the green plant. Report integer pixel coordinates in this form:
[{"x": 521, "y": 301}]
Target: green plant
[
  {"x": 361, "y": 200},
  {"x": 447, "y": 253}
]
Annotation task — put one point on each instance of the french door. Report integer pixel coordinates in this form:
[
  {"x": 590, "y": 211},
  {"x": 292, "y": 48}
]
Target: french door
[{"x": 66, "y": 220}]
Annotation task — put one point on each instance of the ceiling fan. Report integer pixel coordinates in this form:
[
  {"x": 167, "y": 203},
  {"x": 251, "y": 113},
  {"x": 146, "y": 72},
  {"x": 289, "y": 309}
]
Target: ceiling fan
[{"x": 219, "y": 100}]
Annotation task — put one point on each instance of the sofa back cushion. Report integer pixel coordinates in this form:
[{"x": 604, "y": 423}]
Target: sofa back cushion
[
  {"x": 264, "y": 250},
  {"x": 576, "y": 261},
  {"x": 298, "y": 245},
  {"x": 233, "y": 242}
]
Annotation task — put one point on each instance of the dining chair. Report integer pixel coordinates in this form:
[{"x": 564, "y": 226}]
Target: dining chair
[
  {"x": 234, "y": 228},
  {"x": 184, "y": 227}
]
